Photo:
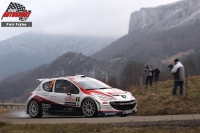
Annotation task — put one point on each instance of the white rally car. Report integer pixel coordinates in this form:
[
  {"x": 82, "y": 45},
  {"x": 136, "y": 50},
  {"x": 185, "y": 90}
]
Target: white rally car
[{"x": 79, "y": 95}]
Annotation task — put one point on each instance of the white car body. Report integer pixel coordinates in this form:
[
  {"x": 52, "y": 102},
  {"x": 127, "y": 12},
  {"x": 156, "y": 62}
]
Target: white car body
[{"x": 86, "y": 97}]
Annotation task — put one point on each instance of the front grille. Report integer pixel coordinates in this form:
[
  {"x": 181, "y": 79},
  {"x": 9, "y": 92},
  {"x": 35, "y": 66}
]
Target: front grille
[{"x": 123, "y": 105}]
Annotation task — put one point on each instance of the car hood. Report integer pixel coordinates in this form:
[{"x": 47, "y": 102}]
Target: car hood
[
  {"x": 112, "y": 91},
  {"x": 117, "y": 94}
]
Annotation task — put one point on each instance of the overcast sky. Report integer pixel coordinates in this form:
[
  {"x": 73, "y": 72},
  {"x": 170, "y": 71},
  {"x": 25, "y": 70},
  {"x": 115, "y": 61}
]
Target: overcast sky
[{"x": 105, "y": 18}]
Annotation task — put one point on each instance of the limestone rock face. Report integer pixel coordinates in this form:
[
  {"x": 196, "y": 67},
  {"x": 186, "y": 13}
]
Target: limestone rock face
[
  {"x": 81, "y": 65},
  {"x": 165, "y": 17}
]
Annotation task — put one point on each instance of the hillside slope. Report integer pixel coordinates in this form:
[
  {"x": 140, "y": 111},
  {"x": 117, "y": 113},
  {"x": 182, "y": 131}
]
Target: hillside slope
[
  {"x": 29, "y": 50},
  {"x": 153, "y": 47},
  {"x": 164, "y": 103}
]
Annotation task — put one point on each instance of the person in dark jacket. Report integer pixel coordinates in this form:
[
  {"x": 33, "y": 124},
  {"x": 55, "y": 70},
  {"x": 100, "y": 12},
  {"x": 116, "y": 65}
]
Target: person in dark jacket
[
  {"x": 148, "y": 70},
  {"x": 178, "y": 72},
  {"x": 156, "y": 74}
]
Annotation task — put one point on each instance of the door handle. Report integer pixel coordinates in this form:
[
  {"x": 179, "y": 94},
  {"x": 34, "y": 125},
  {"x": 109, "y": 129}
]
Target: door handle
[{"x": 53, "y": 95}]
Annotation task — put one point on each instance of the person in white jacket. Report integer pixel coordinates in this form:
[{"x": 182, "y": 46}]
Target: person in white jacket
[{"x": 178, "y": 72}]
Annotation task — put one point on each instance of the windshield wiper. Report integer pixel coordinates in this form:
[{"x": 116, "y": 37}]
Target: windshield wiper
[
  {"x": 90, "y": 89},
  {"x": 104, "y": 88}
]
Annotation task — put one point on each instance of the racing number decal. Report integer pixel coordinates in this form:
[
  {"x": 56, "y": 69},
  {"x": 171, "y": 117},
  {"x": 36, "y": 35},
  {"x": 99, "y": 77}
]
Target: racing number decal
[{"x": 77, "y": 99}]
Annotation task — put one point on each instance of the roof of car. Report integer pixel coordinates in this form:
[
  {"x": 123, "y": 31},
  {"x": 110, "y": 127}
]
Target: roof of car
[{"x": 66, "y": 77}]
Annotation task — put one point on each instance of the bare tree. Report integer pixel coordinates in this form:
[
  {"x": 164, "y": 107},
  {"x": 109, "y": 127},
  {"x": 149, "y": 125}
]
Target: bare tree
[
  {"x": 112, "y": 81},
  {"x": 130, "y": 73},
  {"x": 192, "y": 63}
]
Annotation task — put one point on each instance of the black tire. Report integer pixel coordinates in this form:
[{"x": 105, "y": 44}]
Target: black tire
[
  {"x": 89, "y": 108},
  {"x": 35, "y": 109}
]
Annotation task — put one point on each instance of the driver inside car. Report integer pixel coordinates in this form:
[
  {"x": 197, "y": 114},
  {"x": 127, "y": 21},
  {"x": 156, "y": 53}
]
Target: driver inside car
[
  {"x": 51, "y": 85},
  {"x": 68, "y": 87}
]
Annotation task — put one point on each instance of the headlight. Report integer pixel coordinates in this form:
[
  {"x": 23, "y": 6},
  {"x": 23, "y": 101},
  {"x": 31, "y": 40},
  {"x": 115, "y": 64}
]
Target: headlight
[{"x": 101, "y": 96}]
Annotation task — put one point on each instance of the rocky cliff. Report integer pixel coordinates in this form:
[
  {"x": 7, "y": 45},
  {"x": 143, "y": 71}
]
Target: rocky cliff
[
  {"x": 165, "y": 17},
  {"x": 156, "y": 34}
]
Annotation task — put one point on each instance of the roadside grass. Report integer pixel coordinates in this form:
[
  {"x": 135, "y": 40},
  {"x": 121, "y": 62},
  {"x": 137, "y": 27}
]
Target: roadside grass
[
  {"x": 92, "y": 128},
  {"x": 149, "y": 103},
  {"x": 164, "y": 103}
]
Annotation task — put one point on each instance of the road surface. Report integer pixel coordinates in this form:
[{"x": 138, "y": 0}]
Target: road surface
[{"x": 22, "y": 118}]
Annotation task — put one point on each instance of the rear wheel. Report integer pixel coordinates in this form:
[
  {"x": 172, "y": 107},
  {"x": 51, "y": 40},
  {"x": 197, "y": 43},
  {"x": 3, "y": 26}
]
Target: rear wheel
[
  {"x": 89, "y": 108},
  {"x": 35, "y": 109}
]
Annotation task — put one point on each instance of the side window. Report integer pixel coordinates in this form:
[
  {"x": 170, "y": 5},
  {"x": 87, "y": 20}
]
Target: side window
[
  {"x": 64, "y": 86},
  {"x": 48, "y": 86}
]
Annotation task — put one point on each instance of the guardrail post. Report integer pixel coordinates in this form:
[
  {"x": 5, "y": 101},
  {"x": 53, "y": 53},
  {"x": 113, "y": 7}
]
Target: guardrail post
[
  {"x": 140, "y": 84},
  {"x": 186, "y": 84}
]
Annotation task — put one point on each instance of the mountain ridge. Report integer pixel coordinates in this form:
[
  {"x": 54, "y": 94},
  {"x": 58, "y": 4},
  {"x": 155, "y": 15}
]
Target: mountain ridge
[{"x": 34, "y": 49}]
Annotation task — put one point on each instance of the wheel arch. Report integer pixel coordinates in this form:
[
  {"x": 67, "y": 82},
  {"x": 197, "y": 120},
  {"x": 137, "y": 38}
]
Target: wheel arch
[
  {"x": 39, "y": 103},
  {"x": 96, "y": 102}
]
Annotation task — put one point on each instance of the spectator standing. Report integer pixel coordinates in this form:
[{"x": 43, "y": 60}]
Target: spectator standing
[
  {"x": 178, "y": 72},
  {"x": 148, "y": 71},
  {"x": 156, "y": 74}
]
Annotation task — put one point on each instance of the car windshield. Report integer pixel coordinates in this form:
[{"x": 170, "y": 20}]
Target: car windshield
[{"x": 93, "y": 84}]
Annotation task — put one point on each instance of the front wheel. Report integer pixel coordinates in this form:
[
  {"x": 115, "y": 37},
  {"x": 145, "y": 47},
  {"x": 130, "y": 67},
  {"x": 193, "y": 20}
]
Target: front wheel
[
  {"x": 89, "y": 108},
  {"x": 35, "y": 110}
]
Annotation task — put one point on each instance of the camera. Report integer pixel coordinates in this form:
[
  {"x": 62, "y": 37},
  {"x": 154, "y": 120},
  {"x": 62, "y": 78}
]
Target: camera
[{"x": 171, "y": 66}]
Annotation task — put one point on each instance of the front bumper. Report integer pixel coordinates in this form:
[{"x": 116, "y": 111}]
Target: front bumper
[{"x": 118, "y": 108}]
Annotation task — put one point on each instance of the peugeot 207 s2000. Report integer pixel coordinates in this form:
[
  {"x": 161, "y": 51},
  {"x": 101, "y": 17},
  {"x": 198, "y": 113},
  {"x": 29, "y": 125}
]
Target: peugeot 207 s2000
[{"x": 79, "y": 95}]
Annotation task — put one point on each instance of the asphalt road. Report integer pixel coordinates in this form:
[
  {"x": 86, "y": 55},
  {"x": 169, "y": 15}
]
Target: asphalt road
[{"x": 22, "y": 118}]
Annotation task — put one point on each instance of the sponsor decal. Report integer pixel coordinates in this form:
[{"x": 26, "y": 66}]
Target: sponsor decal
[
  {"x": 43, "y": 93},
  {"x": 70, "y": 99},
  {"x": 16, "y": 10},
  {"x": 70, "y": 104},
  {"x": 105, "y": 102},
  {"x": 46, "y": 105},
  {"x": 106, "y": 107},
  {"x": 116, "y": 92},
  {"x": 125, "y": 103},
  {"x": 39, "y": 99},
  {"x": 110, "y": 113}
]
